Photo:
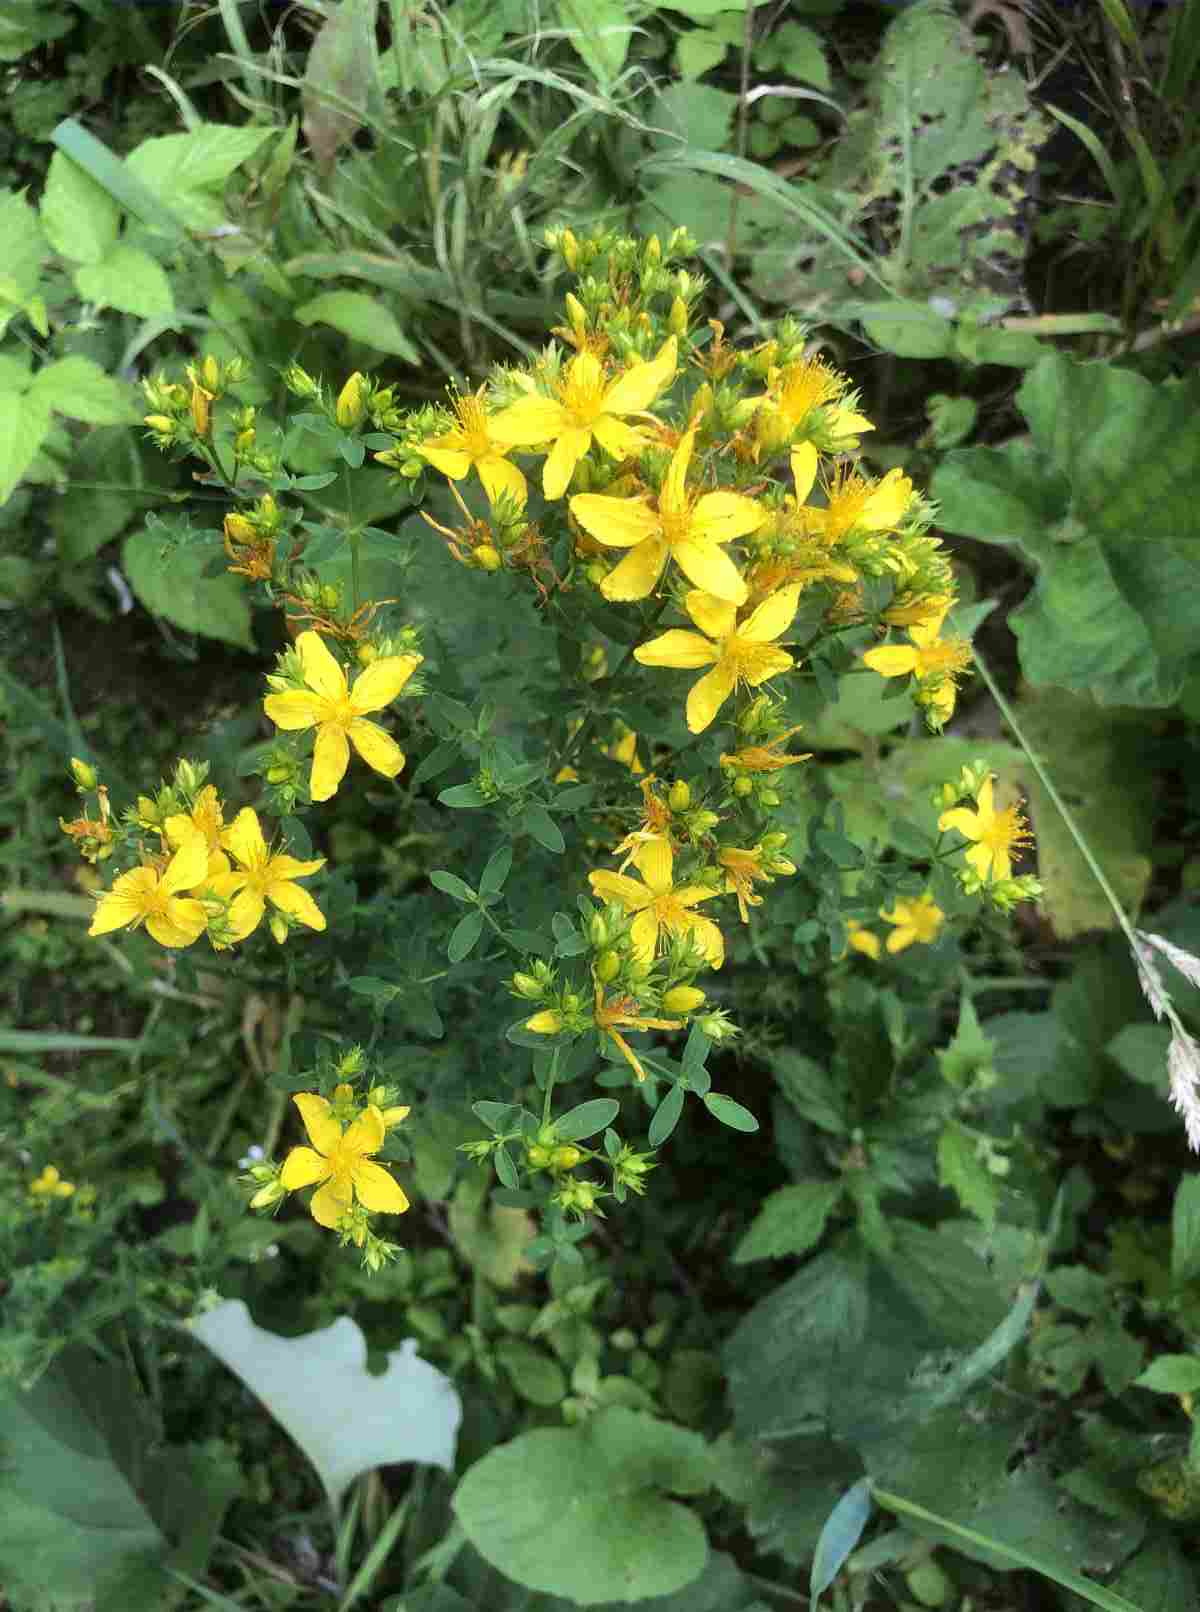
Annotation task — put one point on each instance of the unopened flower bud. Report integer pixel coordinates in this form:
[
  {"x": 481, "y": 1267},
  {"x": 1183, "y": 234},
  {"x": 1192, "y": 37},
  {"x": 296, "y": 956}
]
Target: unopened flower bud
[
  {"x": 770, "y": 797},
  {"x": 702, "y": 822},
  {"x": 210, "y": 374},
  {"x": 243, "y": 443},
  {"x": 654, "y": 251},
  {"x": 200, "y": 413},
  {"x": 351, "y": 405},
  {"x": 279, "y": 774},
  {"x": 743, "y": 787},
  {"x": 576, "y": 313},
  {"x": 680, "y": 796},
  {"x": 239, "y": 530},
  {"x": 299, "y": 382},
  {"x": 683, "y": 999},
  {"x": 569, "y": 247},
  {"x": 774, "y": 842},
  {"x": 565, "y": 1158},
  {"x": 525, "y": 985},
  {"x": 487, "y": 558},
  {"x": 596, "y": 572},
  {"x": 271, "y": 1193},
  {"x": 598, "y": 929},
  {"x": 678, "y": 320},
  {"x": 608, "y": 966},
  {"x": 160, "y": 423},
  {"x": 84, "y": 773},
  {"x": 279, "y": 927}
]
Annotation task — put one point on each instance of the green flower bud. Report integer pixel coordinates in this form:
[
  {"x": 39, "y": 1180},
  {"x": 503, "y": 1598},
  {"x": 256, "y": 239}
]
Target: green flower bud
[
  {"x": 680, "y": 796},
  {"x": 607, "y": 967}
]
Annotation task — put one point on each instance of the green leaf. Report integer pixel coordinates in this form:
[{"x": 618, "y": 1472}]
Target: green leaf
[
  {"x": 1009, "y": 494},
  {"x": 80, "y": 219},
  {"x": 79, "y": 388},
  {"x": 187, "y": 172},
  {"x": 25, "y": 251},
  {"x": 666, "y": 1117},
  {"x": 810, "y": 1091},
  {"x": 496, "y": 872},
  {"x": 538, "y": 823},
  {"x": 1141, "y": 1050},
  {"x": 536, "y": 1376},
  {"x": 839, "y": 1536},
  {"x": 342, "y": 71},
  {"x": 584, "y": 1512},
  {"x": 908, "y": 329},
  {"x": 451, "y": 885},
  {"x": 23, "y": 428},
  {"x": 464, "y": 936},
  {"x": 1075, "y": 1287},
  {"x": 791, "y": 1221},
  {"x": 586, "y": 1119},
  {"x": 1185, "y": 1230},
  {"x": 1171, "y": 1374},
  {"x": 697, "y": 51},
  {"x": 172, "y": 584},
  {"x": 962, "y": 1170},
  {"x": 970, "y": 1051},
  {"x": 410, "y": 1412},
  {"x": 729, "y": 1113},
  {"x": 129, "y": 280},
  {"x": 362, "y": 318},
  {"x": 599, "y": 31}
]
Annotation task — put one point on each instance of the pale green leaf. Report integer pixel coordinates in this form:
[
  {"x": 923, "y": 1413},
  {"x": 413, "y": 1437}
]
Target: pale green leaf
[
  {"x": 79, "y": 217},
  {"x": 600, "y": 31},
  {"x": 187, "y": 171},
  {"x": 79, "y": 388},
  {"x": 1141, "y": 1050},
  {"x": 962, "y": 1170},
  {"x": 1171, "y": 1374},
  {"x": 318, "y": 1389},
  {"x": 361, "y": 317},
  {"x": 129, "y": 280},
  {"x": 584, "y": 1513},
  {"x": 24, "y": 422},
  {"x": 791, "y": 1221},
  {"x": 698, "y": 50}
]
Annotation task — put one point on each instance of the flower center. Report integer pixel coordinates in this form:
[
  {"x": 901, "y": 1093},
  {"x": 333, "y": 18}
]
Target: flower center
[
  {"x": 847, "y": 499},
  {"x": 581, "y": 398},
  {"x": 472, "y": 420},
  {"x": 805, "y": 387}
]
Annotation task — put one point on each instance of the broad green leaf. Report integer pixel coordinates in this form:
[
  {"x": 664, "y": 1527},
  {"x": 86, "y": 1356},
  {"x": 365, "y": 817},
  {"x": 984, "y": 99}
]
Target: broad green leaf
[
  {"x": 584, "y": 1512},
  {"x": 1185, "y": 1229},
  {"x": 698, "y": 50},
  {"x": 908, "y": 329},
  {"x": 599, "y": 31},
  {"x": 23, "y": 427},
  {"x": 79, "y": 388},
  {"x": 587, "y": 1118},
  {"x": 1141, "y": 1050},
  {"x": 361, "y": 317},
  {"x": 356, "y": 1421},
  {"x": 1009, "y": 494},
  {"x": 171, "y": 582},
  {"x": 86, "y": 517},
  {"x": 127, "y": 279},
  {"x": 536, "y": 1375},
  {"x": 962, "y": 1170},
  {"x": 79, "y": 217},
  {"x": 1171, "y": 1374},
  {"x": 188, "y": 171},
  {"x": 1159, "y": 1578},
  {"x": 1075, "y": 1287},
  {"x": 791, "y": 1221},
  {"x": 25, "y": 251}
]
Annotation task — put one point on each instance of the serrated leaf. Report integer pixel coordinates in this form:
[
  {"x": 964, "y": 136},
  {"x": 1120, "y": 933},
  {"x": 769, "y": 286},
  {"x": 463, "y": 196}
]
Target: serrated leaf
[
  {"x": 23, "y": 428},
  {"x": 187, "y": 172},
  {"x": 600, "y": 31},
  {"x": 129, "y": 280},
  {"x": 173, "y": 585},
  {"x": 362, "y": 318},
  {"x": 961, "y": 1169},
  {"x": 79, "y": 388},
  {"x": 80, "y": 219},
  {"x": 790, "y": 1221},
  {"x": 409, "y": 1413},
  {"x": 25, "y": 250},
  {"x": 584, "y": 1512}
]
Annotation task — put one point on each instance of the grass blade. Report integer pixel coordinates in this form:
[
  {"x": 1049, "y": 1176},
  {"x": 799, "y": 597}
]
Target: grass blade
[{"x": 112, "y": 175}]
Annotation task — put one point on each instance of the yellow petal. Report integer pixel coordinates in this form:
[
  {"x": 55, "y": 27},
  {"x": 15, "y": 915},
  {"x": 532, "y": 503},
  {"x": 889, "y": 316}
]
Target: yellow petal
[
  {"x": 321, "y": 671},
  {"x": 900, "y": 939},
  {"x": 619, "y": 440},
  {"x": 377, "y": 748},
  {"x": 964, "y": 820},
  {"x": 708, "y": 937},
  {"x": 721, "y": 517},
  {"x": 892, "y": 660},
  {"x": 717, "y": 617},
  {"x": 676, "y": 648},
  {"x": 188, "y": 866},
  {"x": 295, "y": 709},
  {"x": 643, "y": 933},
  {"x": 498, "y": 476},
  {"x": 244, "y": 838},
  {"x": 673, "y": 497},
  {"x": 331, "y": 757},
  {"x": 639, "y": 386},
  {"x": 655, "y": 861},
  {"x": 125, "y": 902},
  {"x": 366, "y": 1133},
  {"x": 302, "y": 1168},
  {"x": 708, "y": 696},
  {"x": 887, "y": 503},
  {"x": 617, "y": 522},
  {"x": 619, "y": 887},
  {"x": 711, "y": 569},
  {"x": 378, "y": 1191},
  {"x": 987, "y": 809},
  {"x": 804, "y": 469},
  {"x": 290, "y": 867},
  {"x": 768, "y": 663},
  {"x": 324, "y": 1132},
  {"x": 330, "y": 1202},
  {"x": 532, "y": 420},
  {"x": 452, "y": 462},
  {"x": 638, "y": 572},
  {"x": 246, "y": 913},
  {"x": 570, "y": 447},
  {"x": 180, "y": 924},
  {"x": 292, "y": 899},
  {"x": 381, "y": 682},
  {"x": 772, "y": 618}
]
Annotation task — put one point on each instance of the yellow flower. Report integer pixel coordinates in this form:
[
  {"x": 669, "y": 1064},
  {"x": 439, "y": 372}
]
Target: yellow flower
[
  {"x": 585, "y": 408},
  {"x": 862, "y": 940},
  {"x": 470, "y": 445},
  {"x": 852, "y": 502},
  {"x": 261, "y": 877},
  {"x": 934, "y": 661},
  {"x": 624, "y": 749},
  {"x": 337, "y": 712},
  {"x": 919, "y": 920},
  {"x": 795, "y": 392},
  {"x": 145, "y": 896},
  {"x": 341, "y": 1161},
  {"x": 205, "y": 818},
  {"x": 660, "y": 905},
  {"x": 995, "y": 834},
  {"x": 50, "y": 1185},
  {"x": 764, "y": 757},
  {"x": 688, "y": 529},
  {"x": 622, "y": 1013},
  {"x": 738, "y": 654},
  {"x": 746, "y": 868}
]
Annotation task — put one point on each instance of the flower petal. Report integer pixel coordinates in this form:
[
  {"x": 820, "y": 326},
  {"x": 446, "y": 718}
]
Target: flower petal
[
  {"x": 804, "y": 469},
  {"x": 293, "y": 899},
  {"x": 331, "y": 757},
  {"x": 617, "y": 522},
  {"x": 655, "y": 861},
  {"x": 619, "y": 440},
  {"x": 678, "y": 648},
  {"x": 498, "y": 476},
  {"x": 324, "y": 1132},
  {"x": 767, "y": 663},
  {"x": 381, "y": 682},
  {"x": 891, "y": 660},
  {"x": 710, "y": 568},
  {"x": 188, "y": 866},
  {"x": 244, "y": 838},
  {"x": 964, "y": 820},
  {"x": 452, "y": 462},
  {"x": 295, "y": 709},
  {"x": 330, "y": 1202},
  {"x": 717, "y": 617},
  {"x": 378, "y": 1191},
  {"x": 887, "y": 503},
  {"x": 643, "y": 934},
  {"x": 638, "y": 572},
  {"x": 673, "y": 497},
  {"x": 246, "y": 913},
  {"x": 302, "y": 1168},
  {"x": 709, "y": 695},
  {"x": 377, "y": 748},
  {"x": 722, "y": 516},
  {"x": 569, "y": 448},
  {"x": 901, "y": 939},
  {"x": 322, "y": 672},
  {"x": 365, "y": 1134},
  {"x": 181, "y": 923},
  {"x": 640, "y": 385},
  {"x": 631, "y": 894},
  {"x": 772, "y": 618},
  {"x": 290, "y": 867},
  {"x": 528, "y": 422},
  {"x": 126, "y": 902},
  {"x": 708, "y": 937}
]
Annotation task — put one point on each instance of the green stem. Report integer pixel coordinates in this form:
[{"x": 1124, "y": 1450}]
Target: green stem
[
  {"x": 355, "y": 541},
  {"x": 551, "y": 1077}
]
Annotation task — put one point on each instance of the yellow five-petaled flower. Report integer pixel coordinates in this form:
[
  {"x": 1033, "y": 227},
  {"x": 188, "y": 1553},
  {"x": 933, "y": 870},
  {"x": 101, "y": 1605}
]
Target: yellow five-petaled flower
[
  {"x": 661, "y": 906},
  {"x": 918, "y": 920},
  {"x": 684, "y": 527},
  {"x": 157, "y": 899},
  {"x": 340, "y": 1162},
  {"x": 585, "y": 408},
  {"x": 995, "y": 835},
  {"x": 261, "y": 877},
  {"x": 470, "y": 443},
  {"x": 338, "y": 712},
  {"x": 742, "y": 653}
]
